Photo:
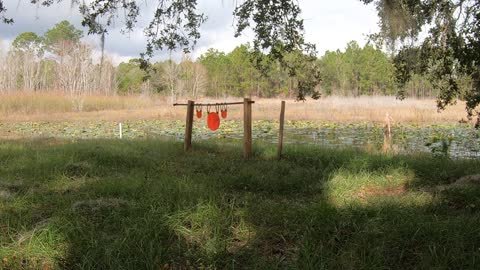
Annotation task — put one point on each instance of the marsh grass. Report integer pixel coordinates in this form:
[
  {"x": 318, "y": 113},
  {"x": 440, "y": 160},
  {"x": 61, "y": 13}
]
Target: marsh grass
[
  {"x": 59, "y": 107},
  {"x": 21, "y": 103},
  {"x": 145, "y": 204}
]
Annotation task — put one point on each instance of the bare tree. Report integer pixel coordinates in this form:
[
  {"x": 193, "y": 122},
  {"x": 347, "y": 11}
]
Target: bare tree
[
  {"x": 193, "y": 77},
  {"x": 171, "y": 76},
  {"x": 200, "y": 80},
  {"x": 9, "y": 67}
]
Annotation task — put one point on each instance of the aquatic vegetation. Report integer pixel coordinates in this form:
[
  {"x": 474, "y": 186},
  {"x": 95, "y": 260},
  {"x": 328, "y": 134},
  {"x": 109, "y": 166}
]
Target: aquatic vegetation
[{"x": 454, "y": 140}]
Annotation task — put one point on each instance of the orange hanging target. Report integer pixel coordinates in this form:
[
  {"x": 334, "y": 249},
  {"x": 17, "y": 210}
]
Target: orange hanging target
[
  {"x": 213, "y": 120},
  {"x": 224, "y": 111},
  {"x": 199, "y": 112}
]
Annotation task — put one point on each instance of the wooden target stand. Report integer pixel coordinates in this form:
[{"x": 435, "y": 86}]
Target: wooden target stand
[{"x": 247, "y": 123}]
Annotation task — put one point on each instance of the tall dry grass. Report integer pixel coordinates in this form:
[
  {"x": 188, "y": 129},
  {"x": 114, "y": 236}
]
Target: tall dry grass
[
  {"x": 368, "y": 109},
  {"x": 35, "y": 103},
  {"x": 357, "y": 109},
  {"x": 59, "y": 107}
]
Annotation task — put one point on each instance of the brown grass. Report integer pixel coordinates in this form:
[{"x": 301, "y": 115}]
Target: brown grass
[
  {"x": 57, "y": 107},
  {"x": 369, "y": 109},
  {"x": 372, "y": 191}
]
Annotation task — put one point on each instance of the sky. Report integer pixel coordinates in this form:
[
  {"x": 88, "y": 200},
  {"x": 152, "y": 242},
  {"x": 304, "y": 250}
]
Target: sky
[{"x": 329, "y": 24}]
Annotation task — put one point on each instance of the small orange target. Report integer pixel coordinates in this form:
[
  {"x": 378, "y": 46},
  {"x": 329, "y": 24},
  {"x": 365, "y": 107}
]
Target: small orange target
[
  {"x": 224, "y": 112},
  {"x": 199, "y": 113}
]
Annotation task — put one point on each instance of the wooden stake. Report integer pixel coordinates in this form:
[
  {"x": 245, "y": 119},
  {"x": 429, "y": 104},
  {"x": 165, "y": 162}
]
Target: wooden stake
[
  {"x": 477, "y": 124},
  {"x": 189, "y": 126},
  {"x": 387, "y": 134},
  {"x": 247, "y": 128},
  {"x": 280, "y": 130},
  {"x": 120, "y": 130}
]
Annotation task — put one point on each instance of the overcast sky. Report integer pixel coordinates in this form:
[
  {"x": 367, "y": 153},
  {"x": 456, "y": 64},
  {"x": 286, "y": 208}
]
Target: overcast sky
[{"x": 330, "y": 24}]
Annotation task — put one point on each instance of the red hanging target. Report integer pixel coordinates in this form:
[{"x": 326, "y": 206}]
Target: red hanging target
[
  {"x": 213, "y": 120},
  {"x": 199, "y": 113},
  {"x": 224, "y": 111}
]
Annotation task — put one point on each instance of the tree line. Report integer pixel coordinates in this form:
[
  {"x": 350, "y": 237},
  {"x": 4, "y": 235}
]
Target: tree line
[{"x": 59, "y": 61}]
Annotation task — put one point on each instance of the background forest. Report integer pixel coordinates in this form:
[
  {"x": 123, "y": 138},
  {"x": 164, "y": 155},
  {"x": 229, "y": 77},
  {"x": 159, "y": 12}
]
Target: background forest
[{"x": 59, "y": 61}]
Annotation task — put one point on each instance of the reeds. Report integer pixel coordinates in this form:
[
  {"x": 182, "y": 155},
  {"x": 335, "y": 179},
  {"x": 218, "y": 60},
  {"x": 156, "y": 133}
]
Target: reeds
[{"x": 55, "y": 106}]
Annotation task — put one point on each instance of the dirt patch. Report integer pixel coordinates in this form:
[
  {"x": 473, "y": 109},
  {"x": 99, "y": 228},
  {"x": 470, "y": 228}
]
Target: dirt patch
[
  {"x": 5, "y": 195},
  {"x": 468, "y": 180},
  {"x": 8, "y": 189},
  {"x": 11, "y": 185},
  {"x": 378, "y": 191},
  {"x": 242, "y": 237},
  {"x": 462, "y": 182},
  {"x": 51, "y": 141},
  {"x": 75, "y": 170},
  {"x": 279, "y": 248}
]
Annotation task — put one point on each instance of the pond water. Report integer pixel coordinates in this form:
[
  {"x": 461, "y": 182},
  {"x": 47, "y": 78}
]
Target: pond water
[{"x": 456, "y": 141}]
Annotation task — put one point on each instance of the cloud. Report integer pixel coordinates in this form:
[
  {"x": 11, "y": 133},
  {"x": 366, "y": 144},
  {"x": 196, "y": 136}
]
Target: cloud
[
  {"x": 331, "y": 25},
  {"x": 328, "y": 24},
  {"x": 35, "y": 18}
]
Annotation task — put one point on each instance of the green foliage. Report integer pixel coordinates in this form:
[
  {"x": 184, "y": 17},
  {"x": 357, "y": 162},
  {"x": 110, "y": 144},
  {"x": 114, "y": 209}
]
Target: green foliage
[
  {"x": 439, "y": 144},
  {"x": 156, "y": 77},
  {"x": 254, "y": 73},
  {"x": 63, "y": 34},
  {"x": 216, "y": 63},
  {"x": 357, "y": 71},
  {"x": 175, "y": 23},
  {"x": 243, "y": 75},
  {"x": 277, "y": 26},
  {"x": 449, "y": 51},
  {"x": 4, "y": 19},
  {"x": 306, "y": 72},
  {"x": 242, "y": 78},
  {"x": 130, "y": 77},
  {"x": 28, "y": 41}
]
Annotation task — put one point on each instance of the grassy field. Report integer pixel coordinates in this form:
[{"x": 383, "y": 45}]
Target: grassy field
[
  {"x": 20, "y": 107},
  {"x": 145, "y": 204}
]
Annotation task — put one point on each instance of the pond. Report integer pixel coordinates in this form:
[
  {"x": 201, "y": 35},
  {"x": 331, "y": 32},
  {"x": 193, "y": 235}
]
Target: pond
[{"x": 454, "y": 140}]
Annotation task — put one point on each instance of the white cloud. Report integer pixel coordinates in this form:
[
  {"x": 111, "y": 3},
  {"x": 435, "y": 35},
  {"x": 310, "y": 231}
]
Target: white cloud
[
  {"x": 4, "y": 46},
  {"x": 328, "y": 24}
]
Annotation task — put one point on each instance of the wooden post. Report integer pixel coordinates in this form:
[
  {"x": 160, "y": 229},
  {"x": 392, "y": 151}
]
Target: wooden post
[
  {"x": 189, "y": 125},
  {"x": 280, "y": 130},
  {"x": 477, "y": 124},
  {"x": 247, "y": 128},
  {"x": 120, "y": 130},
  {"x": 387, "y": 134}
]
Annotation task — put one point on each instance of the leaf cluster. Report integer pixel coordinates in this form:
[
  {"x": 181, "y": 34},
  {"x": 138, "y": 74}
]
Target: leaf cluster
[{"x": 449, "y": 51}]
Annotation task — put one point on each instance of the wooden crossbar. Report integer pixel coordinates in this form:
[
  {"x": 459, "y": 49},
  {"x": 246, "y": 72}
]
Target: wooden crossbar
[
  {"x": 213, "y": 104},
  {"x": 247, "y": 123}
]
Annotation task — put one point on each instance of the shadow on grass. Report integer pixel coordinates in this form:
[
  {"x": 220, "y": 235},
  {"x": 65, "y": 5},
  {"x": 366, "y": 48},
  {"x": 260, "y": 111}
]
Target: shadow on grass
[{"x": 147, "y": 205}]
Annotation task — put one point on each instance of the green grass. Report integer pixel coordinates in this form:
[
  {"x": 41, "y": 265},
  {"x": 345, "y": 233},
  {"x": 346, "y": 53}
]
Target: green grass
[{"x": 144, "y": 204}]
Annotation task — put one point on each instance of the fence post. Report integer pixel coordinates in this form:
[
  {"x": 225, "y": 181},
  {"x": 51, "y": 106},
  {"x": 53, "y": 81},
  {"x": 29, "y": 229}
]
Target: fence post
[
  {"x": 280, "y": 130},
  {"x": 387, "y": 134},
  {"x": 247, "y": 128},
  {"x": 120, "y": 130},
  {"x": 189, "y": 125}
]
